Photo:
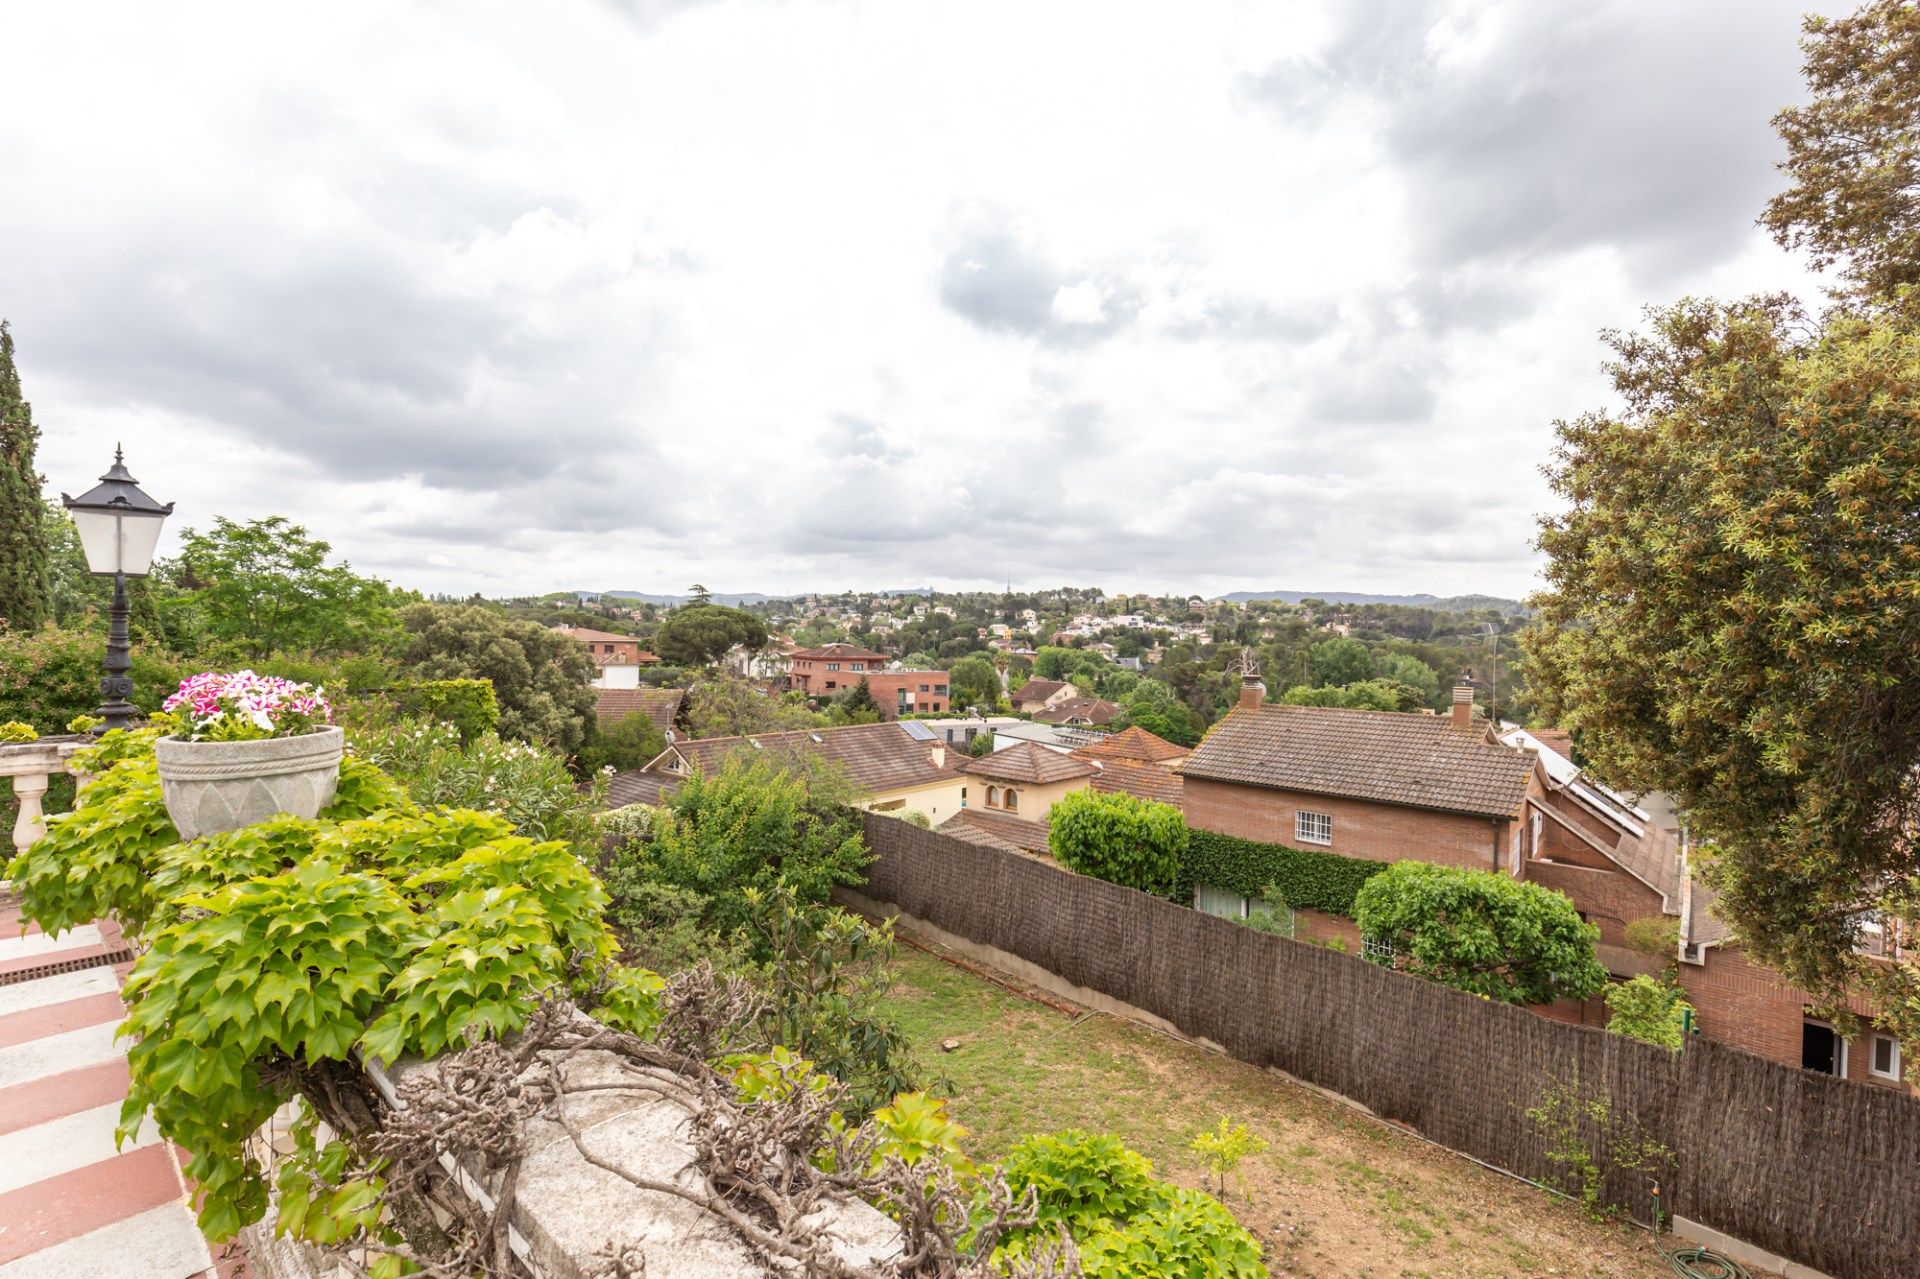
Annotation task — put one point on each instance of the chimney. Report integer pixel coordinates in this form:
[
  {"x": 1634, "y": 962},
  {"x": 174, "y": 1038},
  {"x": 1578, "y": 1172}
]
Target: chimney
[
  {"x": 1252, "y": 692},
  {"x": 1463, "y": 706},
  {"x": 939, "y": 755}
]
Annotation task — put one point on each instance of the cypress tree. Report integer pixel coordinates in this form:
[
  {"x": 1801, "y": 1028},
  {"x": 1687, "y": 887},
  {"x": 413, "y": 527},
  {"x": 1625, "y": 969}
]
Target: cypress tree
[{"x": 25, "y": 596}]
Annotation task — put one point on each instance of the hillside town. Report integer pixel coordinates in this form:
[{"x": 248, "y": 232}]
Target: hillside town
[{"x": 414, "y": 867}]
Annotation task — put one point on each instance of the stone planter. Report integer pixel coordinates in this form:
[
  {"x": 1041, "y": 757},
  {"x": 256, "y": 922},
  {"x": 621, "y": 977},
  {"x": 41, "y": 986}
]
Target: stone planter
[{"x": 217, "y": 786}]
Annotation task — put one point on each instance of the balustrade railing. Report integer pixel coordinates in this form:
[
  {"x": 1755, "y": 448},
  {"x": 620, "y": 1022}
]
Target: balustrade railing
[{"x": 33, "y": 766}]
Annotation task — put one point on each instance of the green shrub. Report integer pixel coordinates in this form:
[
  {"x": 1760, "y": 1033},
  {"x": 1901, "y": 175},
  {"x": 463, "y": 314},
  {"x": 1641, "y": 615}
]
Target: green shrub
[
  {"x": 528, "y": 785},
  {"x": 1479, "y": 931},
  {"x": 1649, "y": 1010},
  {"x": 467, "y": 704},
  {"x": 1126, "y": 1223},
  {"x": 1303, "y": 879},
  {"x": 1120, "y": 838}
]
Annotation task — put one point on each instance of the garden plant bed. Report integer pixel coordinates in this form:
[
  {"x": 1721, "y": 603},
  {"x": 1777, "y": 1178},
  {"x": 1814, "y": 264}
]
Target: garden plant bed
[{"x": 1336, "y": 1195}]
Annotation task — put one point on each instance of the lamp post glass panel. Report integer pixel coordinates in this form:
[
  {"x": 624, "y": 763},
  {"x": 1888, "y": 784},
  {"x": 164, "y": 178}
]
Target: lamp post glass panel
[{"x": 119, "y": 527}]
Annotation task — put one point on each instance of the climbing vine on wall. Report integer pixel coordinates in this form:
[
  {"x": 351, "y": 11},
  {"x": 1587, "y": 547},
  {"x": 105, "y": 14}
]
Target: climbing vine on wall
[{"x": 1306, "y": 880}]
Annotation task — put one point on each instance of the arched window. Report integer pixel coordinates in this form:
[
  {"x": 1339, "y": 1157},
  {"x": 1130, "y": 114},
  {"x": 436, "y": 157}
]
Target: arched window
[
  {"x": 1012, "y": 799},
  {"x": 993, "y": 797}
]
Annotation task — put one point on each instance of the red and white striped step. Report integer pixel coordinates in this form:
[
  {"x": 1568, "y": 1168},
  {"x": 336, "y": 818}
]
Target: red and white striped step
[{"x": 71, "y": 1205}]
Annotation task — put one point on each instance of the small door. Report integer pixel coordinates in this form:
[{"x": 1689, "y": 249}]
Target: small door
[{"x": 1822, "y": 1050}]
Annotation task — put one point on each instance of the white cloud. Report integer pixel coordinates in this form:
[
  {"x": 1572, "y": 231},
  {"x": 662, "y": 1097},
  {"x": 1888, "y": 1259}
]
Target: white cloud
[{"x": 779, "y": 296}]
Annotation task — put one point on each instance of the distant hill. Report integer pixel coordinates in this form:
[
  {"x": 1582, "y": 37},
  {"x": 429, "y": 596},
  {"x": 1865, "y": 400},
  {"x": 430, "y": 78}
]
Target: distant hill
[
  {"x": 1440, "y": 603},
  {"x": 750, "y": 597}
]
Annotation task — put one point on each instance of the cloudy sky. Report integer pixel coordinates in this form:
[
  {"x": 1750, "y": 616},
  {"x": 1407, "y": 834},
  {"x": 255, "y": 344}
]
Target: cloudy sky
[{"x": 777, "y": 295}]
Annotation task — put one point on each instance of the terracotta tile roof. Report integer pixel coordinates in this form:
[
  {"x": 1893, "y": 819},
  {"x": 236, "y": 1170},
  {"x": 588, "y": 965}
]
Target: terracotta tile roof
[
  {"x": 1026, "y": 762},
  {"x": 1558, "y": 739},
  {"x": 1417, "y": 761},
  {"x": 1135, "y": 744},
  {"x": 638, "y": 786},
  {"x": 1143, "y": 781},
  {"x": 839, "y": 653},
  {"x": 660, "y": 705},
  {"x": 1036, "y": 690},
  {"x": 997, "y": 830},
  {"x": 877, "y": 757},
  {"x": 1094, "y": 710}
]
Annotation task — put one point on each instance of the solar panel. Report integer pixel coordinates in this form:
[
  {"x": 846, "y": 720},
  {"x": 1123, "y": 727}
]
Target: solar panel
[{"x": 917, "y": 731}]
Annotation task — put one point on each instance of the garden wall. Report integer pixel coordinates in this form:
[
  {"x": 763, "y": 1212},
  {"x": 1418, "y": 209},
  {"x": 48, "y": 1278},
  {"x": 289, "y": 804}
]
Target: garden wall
[{"x": 1812, "y": 1168}]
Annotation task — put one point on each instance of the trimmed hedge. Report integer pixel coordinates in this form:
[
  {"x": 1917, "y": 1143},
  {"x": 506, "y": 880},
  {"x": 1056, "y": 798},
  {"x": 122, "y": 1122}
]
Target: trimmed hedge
[{"x": 1308, "y": 880}]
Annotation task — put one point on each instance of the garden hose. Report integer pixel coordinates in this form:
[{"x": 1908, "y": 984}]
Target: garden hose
[
  {"x": 1701, "y": 1263},
  {"x": 1693, "y": 1263}
]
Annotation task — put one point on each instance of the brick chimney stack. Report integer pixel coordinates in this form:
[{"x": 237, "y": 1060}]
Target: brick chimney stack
[
  {"x": 1463, "y": 706},
  {"x": 1252, "y": 692}
]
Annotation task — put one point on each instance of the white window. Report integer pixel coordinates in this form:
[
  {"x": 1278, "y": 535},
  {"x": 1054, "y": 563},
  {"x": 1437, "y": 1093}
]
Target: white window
[
  {"x": 1884, "y": 1061},
  {"x": 1313, "y": 828},
  {"x": 1214, "y": 901},
  {"x": 1378, "y": 949}
]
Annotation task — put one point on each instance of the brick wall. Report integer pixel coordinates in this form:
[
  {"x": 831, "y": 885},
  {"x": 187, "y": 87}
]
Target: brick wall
[
  {"x": 1377, "y": 832},
  {"x": 1610, "y": 898}
]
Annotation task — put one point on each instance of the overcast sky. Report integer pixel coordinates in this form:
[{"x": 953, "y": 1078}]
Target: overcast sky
[{"x": 789, "y": 295}]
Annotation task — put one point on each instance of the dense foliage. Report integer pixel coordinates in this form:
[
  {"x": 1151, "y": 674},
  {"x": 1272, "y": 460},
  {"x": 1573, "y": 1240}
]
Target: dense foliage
[
  {"x": 48, "y": 676},
  {"x": 1649, "y": 1009},
  {"x": 276, "y": 952},
  {"x": 1120, "y": 838},
  {"x": 265, "y": 586},
  {"x": 1480, "y": 932},
  {"x": 1733, "y": 616},
  {"x": 701, "y": 634},
  {"x": 754, "y": 825},
  {"x": 1125, "y": 1222},
  {"x": 539, "y": 676},
  {"x": 25, "y": 586},
  {"x": 470, "y": 705},
  {"x": 972, "y": 681},
  {"x": 1853, "y": 150},
  {"x": 1303, "y": 879}
]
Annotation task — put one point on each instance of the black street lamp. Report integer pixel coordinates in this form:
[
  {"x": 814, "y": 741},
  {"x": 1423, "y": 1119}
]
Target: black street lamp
[{"x": 119, "y": 527}]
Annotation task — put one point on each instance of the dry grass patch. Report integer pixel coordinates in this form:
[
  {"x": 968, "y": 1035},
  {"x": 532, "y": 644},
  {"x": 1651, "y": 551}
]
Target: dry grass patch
[{"x": 1335, "y": 1195}]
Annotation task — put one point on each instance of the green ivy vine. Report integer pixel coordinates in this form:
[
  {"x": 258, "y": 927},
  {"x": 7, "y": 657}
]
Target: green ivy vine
[
  {"x": 279, "y": 956},
  {"x": 1306, "y": 880}
]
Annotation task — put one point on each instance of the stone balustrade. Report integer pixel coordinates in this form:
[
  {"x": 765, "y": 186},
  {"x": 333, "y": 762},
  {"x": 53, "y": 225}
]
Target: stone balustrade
[{"x": 33, "y": 766}]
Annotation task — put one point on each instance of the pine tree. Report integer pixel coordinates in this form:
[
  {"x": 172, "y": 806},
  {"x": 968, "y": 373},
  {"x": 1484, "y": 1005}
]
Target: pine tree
[{"x": 24, "y": 590}]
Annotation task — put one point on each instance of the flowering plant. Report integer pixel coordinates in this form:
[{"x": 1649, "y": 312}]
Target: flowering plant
[{"x": 244, "y": 707}]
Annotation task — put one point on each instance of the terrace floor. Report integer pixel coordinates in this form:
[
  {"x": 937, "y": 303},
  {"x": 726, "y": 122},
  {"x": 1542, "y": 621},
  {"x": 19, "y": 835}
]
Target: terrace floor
[{"x": 72, "y": 1206}]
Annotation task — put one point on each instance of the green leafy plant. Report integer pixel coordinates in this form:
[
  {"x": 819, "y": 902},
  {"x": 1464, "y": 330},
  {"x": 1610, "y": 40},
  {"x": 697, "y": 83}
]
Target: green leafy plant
[
  {"x": 1223, "y": 1147},
  {"x": 1480, "y": 932},
  {"x": 1587, "y": 1141},
  {"x": 1303, "y": 879},
  {"x": 1125, "y": 1221},
  {"x": 1120, "y": 838},
  {"x": 14, "y": 731},
  {"x": 759, "y": 821},
  {"x": 276, "y": 954},
  {"x": 1649, "y": 1010}
]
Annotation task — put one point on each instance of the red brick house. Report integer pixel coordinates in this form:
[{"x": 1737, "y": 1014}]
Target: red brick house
[
  {"x": 1618, "y": 865},
  {"x": 1372, "y": 784},
  {"x": 608, "y": 649},
  {"x": 832, "y": 669}
]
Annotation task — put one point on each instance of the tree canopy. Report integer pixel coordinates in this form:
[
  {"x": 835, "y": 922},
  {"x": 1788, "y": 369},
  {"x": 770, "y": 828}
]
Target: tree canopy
[
  {"x": 701, "y": 634},
  {"x": 1479, "y": 931},
  {"x": 973, "y": 681},
  {"x": 1340, "y": 661},
  {"x": 1120, "y": 838},
  {"x": 25, "y": 592},
  {"x": 1733, "y": 616},
  {"x": 265, "y": 586},
  {"x": 1853, "y": 150},
  {"x": 539, "y": 676}
]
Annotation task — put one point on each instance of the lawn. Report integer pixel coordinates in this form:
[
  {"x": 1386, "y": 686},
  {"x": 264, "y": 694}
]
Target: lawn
[{"x": 1336, "y": 1194}]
